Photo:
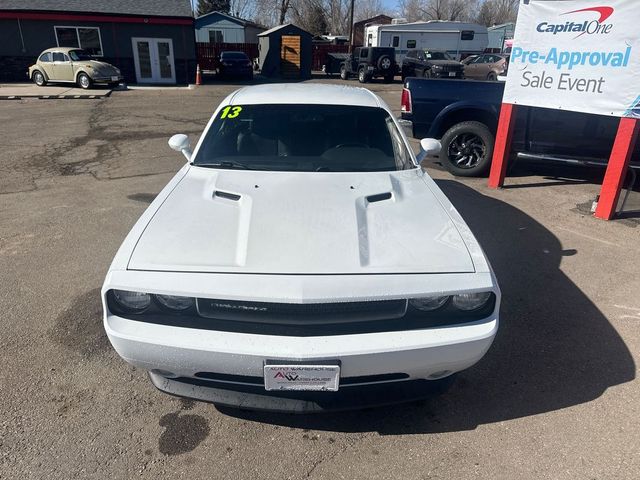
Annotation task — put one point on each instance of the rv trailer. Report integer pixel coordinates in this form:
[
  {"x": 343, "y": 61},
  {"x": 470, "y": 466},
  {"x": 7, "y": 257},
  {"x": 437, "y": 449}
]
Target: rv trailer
[{"x": 459, "y": 39}]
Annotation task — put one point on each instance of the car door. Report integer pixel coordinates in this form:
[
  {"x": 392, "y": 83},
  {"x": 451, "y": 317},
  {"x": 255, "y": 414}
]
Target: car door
[
  {"x": 408, "y": 64},
  {"x": 474, "y": 69},
  {"x": 62, "y": 68}
]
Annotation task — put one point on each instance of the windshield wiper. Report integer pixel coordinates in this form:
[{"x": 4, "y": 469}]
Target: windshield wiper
[{"x": 225, "y": 164}]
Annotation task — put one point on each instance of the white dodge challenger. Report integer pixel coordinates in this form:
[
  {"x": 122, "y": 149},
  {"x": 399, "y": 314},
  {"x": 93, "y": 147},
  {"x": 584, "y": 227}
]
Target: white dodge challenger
[{"x": 301, "y": 261}]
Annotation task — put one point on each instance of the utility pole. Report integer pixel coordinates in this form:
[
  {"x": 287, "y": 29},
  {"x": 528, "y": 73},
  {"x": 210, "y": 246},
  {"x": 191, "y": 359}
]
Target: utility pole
[{"x": 351, "y": 28}]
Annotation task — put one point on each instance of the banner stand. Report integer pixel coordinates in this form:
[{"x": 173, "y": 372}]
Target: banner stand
[
  {"x": 502, "y": 145},
  {"x": 623, "y": 145},
  {"x": 621, "y": 152}
]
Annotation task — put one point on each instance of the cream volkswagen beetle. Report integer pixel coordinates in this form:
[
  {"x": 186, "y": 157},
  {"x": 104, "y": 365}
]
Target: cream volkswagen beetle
[
  {"x": 72, "y": 65},
  {"x": 301, "y": 261}
]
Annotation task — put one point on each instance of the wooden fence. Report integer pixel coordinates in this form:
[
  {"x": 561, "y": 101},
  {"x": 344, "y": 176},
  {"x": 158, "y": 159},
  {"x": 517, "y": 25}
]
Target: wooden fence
[
  {"x": 320, "y": 52},
  {"x": 208, "y": 52}
]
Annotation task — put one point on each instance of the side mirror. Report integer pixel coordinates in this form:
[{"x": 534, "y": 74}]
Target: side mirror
[
  {"x": 430, "y": 147},
  {"x": 180, "y": 143}
]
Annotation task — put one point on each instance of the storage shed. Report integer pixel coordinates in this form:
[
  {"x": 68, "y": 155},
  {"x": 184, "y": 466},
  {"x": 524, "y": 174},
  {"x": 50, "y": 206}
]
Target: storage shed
[{"x": 285, "y": 51}]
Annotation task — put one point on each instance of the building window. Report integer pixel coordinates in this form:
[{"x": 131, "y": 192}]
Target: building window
[
  {"x": 369, "y": 40},
  {"x": 396, "y": 41},
  {"x": 411, "y": 44},
  {"x": 467, "y": 35},
  {"x": 87, "y": 38},
  {"x": 215, "y": 36}
]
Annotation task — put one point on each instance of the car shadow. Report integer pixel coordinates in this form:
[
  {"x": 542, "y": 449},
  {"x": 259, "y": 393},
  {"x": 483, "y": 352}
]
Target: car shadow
[{"x": 554, "y": 348}]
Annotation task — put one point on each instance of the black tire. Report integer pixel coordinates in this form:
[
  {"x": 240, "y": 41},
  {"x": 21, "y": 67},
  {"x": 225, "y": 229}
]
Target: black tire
[
  {"x": 84, "y": 81},
  {"x": 362, "y": 75},
  {"x": 39, "y": 78},
  {"x": 384, "y": 63},
  {"x": 467, "y": 148},
  {"x": 492, "y": 77},
  {"x": 343, "y": 72},
  {"x": 388, "y": 78},
  {"x": 426, "y": 73}
]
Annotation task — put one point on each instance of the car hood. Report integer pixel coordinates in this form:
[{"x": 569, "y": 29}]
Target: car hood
[
  {"x": 450, "y": 63},
  {"x": 99, "y": 66},
  {"x": 301, "y": 223}
]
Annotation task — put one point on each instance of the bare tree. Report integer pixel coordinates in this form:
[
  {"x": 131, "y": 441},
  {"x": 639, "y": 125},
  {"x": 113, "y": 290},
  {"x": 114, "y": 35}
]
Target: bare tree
[
  {"x": 368, "y": 9},
  {"x": 420, "y": 10},
  {"x": 494, "y": 12},
  {"x": 242, "y": 8}
]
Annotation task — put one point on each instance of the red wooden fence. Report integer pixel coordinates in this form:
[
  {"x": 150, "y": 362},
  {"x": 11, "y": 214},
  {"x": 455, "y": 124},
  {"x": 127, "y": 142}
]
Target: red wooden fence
[
  {"x": 320, "y": 52},
  {"x": 208, "y": 52}
]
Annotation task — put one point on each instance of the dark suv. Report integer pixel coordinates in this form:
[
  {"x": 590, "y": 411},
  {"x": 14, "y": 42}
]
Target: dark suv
[
  {"x": 370, "y": 62},
  {"x": 430, "y": 64}
]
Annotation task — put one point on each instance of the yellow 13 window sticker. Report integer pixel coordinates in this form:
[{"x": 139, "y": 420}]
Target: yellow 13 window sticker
[{"x": 230, "y": 112}]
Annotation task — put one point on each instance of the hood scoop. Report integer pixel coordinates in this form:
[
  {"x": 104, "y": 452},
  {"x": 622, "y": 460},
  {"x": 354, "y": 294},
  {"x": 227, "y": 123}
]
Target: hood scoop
[
  {"x": 379, "y": 197},
  {"x": 227, "y": 195}
]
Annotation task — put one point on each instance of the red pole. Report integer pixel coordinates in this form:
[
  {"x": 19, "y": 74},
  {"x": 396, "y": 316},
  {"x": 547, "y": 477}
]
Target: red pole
[
  {"x": 617, "y": 167},
  {"x": 502, "y": 146}
]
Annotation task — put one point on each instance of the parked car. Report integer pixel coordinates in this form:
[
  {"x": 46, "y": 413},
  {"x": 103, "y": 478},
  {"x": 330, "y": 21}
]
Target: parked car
[
  {"x": 430, "y": 64},
  {"x": 284, "y": 267},
  {"x": 370, "y": 62},
  {"x": 464, "y": 116},
  {"x": 333, "y": 63},
  {"x": 72, "y": 65},
  {"x": 486, "y": 67},
  {"x": 235, "y": 64}
]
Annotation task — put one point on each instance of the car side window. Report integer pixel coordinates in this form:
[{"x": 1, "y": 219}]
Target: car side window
[
  {"x": 65, "y": 58},
  {"x": 58, "y": 57},
  {"x": 481, "y": 59},
  {"x": 45, "y": 57},
  {"x": 364, "y": 52}
]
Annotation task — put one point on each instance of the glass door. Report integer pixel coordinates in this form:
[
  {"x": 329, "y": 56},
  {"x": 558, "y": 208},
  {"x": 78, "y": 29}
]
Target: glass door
[{"x": 154, "y": 60}]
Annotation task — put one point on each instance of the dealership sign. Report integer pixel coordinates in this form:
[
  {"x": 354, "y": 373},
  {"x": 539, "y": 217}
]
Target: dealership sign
[{"x": 577, "y": 55}]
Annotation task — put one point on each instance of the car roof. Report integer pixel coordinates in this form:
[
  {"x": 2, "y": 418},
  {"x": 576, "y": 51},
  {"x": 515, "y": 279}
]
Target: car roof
[
  {"x": 60, "y": 49},
  {"x": 305, "y": 93}
]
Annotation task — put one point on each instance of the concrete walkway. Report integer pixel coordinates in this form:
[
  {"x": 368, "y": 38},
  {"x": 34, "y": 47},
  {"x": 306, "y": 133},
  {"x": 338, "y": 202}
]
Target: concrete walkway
[{"x": 16, "y": 91}]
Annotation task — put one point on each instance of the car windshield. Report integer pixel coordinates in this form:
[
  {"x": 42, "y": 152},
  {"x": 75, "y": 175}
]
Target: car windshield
[
  {"x": 436, "y": 55},
  {"x": 78, "y": 55},
  {"x": 304, "y": 138},
  {"x": 234, "y": 55}
]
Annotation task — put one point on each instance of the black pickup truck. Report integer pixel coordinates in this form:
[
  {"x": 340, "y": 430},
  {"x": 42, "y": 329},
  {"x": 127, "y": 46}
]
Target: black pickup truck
[{"x": 464, "y": 116}]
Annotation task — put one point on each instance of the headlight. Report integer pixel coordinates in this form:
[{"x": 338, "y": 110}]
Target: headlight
[
  {"x": 427, "y": 304},
  {"x": 471, "y": 301},
  {"x": 175, "y": 302},
  {"x": 134, "y": 302}
]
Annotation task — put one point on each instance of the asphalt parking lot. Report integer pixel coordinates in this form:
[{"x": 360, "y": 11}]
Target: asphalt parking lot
[{"x": 556, "y": 397}]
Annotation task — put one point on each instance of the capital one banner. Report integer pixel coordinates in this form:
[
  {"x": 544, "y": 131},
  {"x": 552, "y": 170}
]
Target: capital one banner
[{"x": 579, "y": 55}]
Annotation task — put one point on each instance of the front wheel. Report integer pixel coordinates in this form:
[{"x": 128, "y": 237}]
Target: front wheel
[
  {"x": 467, "y": 148},
  {"x": 426, "y": 73},
  {"x": 343, "y": 73},
  {"x": 84, "y": 81},
  {"x": 362, "y": 75},
  {"x": 38, "y": 79},
  {"x": 492, "y": 77},
  {"x": 388, "y": 78}
]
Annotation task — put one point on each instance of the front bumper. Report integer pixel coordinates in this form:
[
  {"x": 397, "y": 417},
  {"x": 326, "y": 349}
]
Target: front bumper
[
  {"x": 107, "y": 79},
  {"x": 177, "y": 358}
]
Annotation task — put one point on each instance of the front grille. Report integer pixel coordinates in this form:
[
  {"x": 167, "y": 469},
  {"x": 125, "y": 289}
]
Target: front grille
[
  {"x": 451, "y": 68},
  {"x": 301, "y": 314}
]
